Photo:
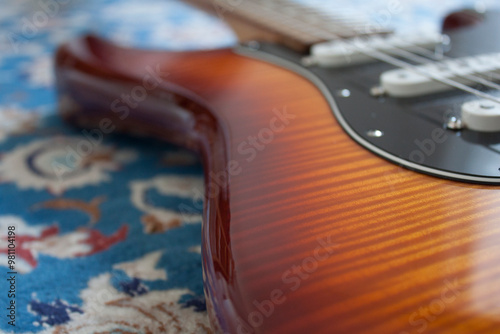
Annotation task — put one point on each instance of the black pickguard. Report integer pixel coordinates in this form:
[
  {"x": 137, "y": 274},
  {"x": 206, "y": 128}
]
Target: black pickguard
[{"x": 415, "y": 135}]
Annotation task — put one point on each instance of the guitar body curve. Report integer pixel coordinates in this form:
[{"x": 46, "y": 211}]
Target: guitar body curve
[{"x": 304, "y": 230}]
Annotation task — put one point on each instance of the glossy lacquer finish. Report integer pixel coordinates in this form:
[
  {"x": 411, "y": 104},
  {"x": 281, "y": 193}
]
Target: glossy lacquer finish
[{"x": 304, "y": 231}]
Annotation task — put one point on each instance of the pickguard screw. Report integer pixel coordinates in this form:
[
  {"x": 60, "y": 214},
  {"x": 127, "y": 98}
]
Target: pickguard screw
[
  {"x": 344, "y": 93},
  {"x": 375, "y": 133},
  {"x": 377, "y": 91},
  {"x": 454, "y": 123},
  {"x": 308, "y": 61},
  {"x": 253, "y": 45}
]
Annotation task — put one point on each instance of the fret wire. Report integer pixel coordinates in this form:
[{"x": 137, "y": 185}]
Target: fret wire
[
  {"x": 329, "y": 21},
  {"x": 280, "y": 18},
  {"x": 277, "y": 19},
  {"x": 254, "y": 14},
  {"x": 341, "y": 32},
  {"x": 300, "y": 35},
  {"x": 335, "y": 24}
]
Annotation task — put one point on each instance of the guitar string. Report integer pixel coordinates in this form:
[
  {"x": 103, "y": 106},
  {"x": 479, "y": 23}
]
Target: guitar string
[
  {"x": 372, "y": 53},
  {"x": 432, "y": 55},
  {"x": 406, "y": 54},
  {"x": 398, "y": 63},
  {"x": 401, "y": 64},
  {"x": 420, "y": 54},
  {"x": 421, "y": 60}
]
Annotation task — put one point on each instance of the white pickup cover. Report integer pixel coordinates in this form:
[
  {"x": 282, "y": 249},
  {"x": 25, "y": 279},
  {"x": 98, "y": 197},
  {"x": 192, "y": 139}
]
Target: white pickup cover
[
  {"x": 345, "y": 52},
  {"x": 481, "y": 115}
]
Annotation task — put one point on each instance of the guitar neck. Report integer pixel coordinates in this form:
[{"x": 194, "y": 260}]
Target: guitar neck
[{"x": 285, "y": 22}]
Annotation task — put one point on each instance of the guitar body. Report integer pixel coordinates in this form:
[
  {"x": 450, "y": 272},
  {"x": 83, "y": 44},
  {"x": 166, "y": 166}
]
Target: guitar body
[{"x": 304, "y": 231}]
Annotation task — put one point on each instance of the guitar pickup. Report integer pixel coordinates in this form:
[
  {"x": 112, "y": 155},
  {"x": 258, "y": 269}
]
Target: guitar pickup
[
  {"x": 346, "y": 52},
  {"x": 427, "y": 79},
  {"x": 481, "y": 115}
]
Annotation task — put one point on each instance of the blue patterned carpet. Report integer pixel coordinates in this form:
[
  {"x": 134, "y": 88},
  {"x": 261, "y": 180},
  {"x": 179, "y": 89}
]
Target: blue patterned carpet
[{"x": 107, "y": 249}]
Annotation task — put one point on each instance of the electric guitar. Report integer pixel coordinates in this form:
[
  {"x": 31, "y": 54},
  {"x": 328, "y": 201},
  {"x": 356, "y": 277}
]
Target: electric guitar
[{"x": 351, "y": 174}]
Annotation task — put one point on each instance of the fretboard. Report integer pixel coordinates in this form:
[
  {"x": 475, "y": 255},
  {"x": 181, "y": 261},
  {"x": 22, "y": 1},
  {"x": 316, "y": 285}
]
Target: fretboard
[{"x": 285, "y": 22}]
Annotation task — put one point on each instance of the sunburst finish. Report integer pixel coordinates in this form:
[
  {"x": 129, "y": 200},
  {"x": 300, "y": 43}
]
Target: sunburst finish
[{"x": 304, "y": 231}]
